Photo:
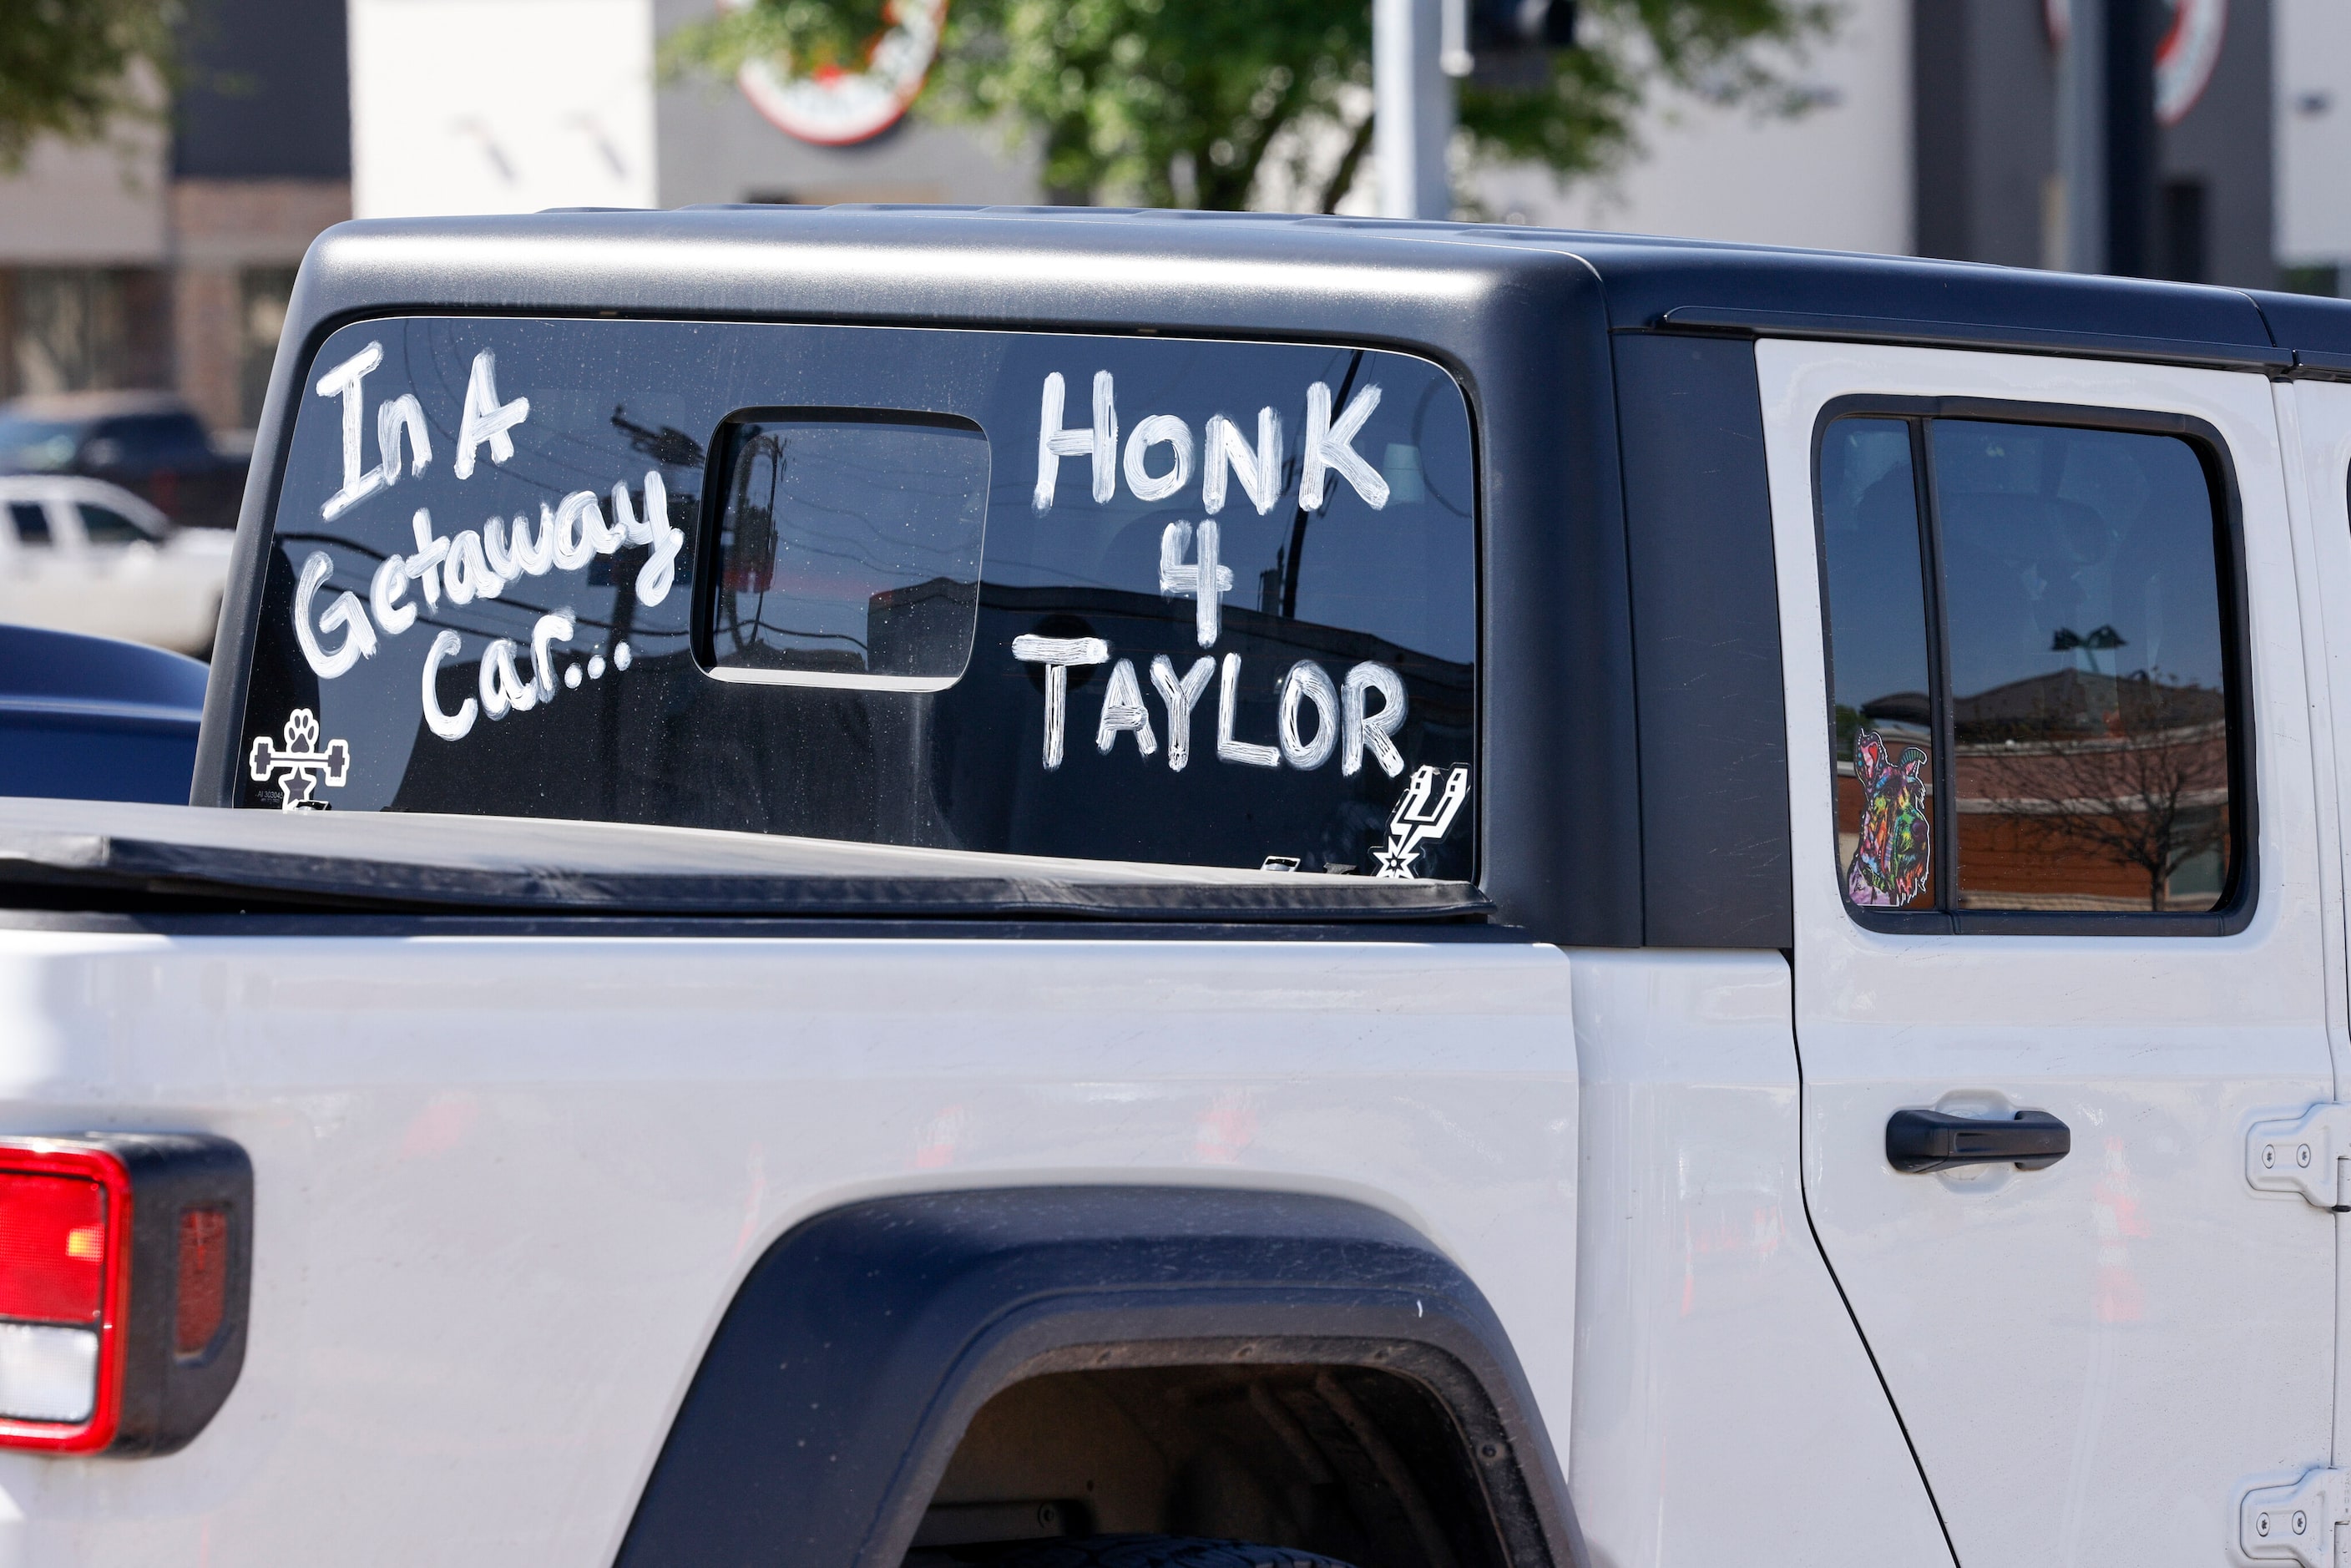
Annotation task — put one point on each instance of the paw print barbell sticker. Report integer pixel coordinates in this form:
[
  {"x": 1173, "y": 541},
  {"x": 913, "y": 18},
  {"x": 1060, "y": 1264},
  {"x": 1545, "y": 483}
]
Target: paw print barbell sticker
[{"x": 302, "y": 765}]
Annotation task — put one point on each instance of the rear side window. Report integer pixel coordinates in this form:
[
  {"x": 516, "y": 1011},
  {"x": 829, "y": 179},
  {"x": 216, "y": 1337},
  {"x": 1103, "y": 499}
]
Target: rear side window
[
  {"x": 105, "y": 526},
  {"x": 847, "y": 552},
  {"x": 2033, "y": 695},
  {"x": 1880, "y": 672},
  {"x": 1120, "y": 597},
  {"x": 32, "y": 520}
]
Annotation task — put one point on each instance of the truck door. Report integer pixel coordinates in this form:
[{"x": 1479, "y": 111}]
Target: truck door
[
  {"x": 2059, "y": 940},
  {"x": 2317, "y": 418}
]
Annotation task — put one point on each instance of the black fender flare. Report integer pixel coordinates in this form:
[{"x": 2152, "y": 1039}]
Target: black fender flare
[{"x": 861, "y": 1343}]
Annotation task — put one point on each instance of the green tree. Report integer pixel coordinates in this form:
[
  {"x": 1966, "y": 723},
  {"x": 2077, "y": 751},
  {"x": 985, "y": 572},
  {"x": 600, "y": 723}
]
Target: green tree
[
  {"x": 67, "y": 66},
  {"x": 1169, "y": 102}
]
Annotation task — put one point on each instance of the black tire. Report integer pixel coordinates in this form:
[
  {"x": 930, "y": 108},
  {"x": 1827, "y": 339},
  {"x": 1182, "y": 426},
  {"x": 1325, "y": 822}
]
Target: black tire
[{"x": 1160, "y": 1552}]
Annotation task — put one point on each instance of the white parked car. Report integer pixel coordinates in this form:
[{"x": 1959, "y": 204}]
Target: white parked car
[{"x": 81, "y": 555}]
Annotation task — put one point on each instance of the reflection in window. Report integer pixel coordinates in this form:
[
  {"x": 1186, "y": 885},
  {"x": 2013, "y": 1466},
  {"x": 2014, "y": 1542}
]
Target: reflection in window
[
  {"x": 849, "y": 553},
  {"x": 2089, "y": 708},
  {"x": 1878, "y": 664}
]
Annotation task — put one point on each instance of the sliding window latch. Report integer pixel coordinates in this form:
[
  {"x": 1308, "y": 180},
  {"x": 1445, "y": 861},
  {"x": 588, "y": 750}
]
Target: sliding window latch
[
  {"x": 2303, "y": 1155},
  {"x": 2296, "y": 1522}
]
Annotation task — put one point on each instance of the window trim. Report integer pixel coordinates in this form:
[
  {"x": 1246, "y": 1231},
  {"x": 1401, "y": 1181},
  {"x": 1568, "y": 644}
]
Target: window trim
[
  {"x": 2235, "y": 912},
  {"x": 719, "y": 459}
]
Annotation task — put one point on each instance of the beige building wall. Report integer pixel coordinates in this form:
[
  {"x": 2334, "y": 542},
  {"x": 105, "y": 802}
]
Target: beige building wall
[
  {"x": 1835, "y": 177},
  {"x": 88, "y": 205},
  {"x": 83, "y": 242},
  {"x": 2313, "y": 44},
  {"x": 114, "y": 274},
  {"x": 234, "y": 247}
]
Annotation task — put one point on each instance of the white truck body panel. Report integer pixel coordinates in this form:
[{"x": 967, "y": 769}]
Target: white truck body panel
[
  {"x": 2315, "y": 417},
  {"x": 1697, "y": 1253},
  {"x": 507, "y": 1186}
]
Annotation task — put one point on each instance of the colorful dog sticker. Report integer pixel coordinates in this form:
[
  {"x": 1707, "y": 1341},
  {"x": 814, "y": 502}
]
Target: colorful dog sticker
[{"x": 1890, "y": 863}]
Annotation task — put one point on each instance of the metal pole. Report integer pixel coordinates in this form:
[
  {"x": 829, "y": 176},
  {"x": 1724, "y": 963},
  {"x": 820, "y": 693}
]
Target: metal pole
[
  {"x": 1413, "y": 99},
  {"x": 2081, "y": 135},
  {"x": 2131, "y": 152}
]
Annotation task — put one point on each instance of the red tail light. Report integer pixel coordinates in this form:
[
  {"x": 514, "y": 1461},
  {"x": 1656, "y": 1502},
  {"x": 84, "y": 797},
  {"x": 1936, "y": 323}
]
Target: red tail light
[
  {"x": 65, "y": 1210},
  {"x": 124, "y": 1268},
  {"x": 52, "y": 1247}
]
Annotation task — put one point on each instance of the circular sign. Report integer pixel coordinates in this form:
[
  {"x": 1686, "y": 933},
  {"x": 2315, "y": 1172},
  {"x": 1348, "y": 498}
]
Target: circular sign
[
  {"x": 2183, "y": 60},
  {"x": 834, "y": 108}
]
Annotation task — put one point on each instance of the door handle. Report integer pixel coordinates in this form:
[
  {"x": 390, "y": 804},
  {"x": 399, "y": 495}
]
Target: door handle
[{"x": 1919, "y": 1141}]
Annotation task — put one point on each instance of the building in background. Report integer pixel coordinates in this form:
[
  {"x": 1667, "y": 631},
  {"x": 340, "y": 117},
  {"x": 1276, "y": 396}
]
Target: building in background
[
  {"x": 1835, "y": 176},
  {"x": 1985, "y": 139},
  {"x": 261, "y": 161},
  {"x": 164, "y": 257},
  {"x": 84, "y": 285},
  {"x": 500, "y": 106},
  {"x": 484, "y": 106},
  {"x": 1931, "y": 128},
  {"x": 2314, "y": 175}
]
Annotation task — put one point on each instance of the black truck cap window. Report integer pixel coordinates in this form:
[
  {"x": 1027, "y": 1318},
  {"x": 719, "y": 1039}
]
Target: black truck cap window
[{"x": 1110, "y": 597}]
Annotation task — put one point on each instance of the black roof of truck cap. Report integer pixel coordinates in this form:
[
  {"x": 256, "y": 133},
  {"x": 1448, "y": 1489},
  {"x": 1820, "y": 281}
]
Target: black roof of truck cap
[{"x": 1632, "y": 775}]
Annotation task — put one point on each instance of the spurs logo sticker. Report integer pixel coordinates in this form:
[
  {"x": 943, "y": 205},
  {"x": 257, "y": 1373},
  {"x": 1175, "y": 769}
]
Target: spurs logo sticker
[
  {"x": 1421, "y": 819},
  {"x": 302, "y": 766},
  {"x": 1891, "y": 861}
]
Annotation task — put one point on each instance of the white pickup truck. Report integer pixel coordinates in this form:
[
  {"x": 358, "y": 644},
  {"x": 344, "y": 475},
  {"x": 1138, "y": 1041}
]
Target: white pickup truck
[{"x": 872, "y": 887}]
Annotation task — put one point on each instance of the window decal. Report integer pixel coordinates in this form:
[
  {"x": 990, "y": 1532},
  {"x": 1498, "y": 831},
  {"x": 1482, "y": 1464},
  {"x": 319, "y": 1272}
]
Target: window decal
[
  {"x": 1190, "y": 567},
  {"x": 1889, "y": 867},
  {"x": 301, "y": 765},
  {"x": 1421, "y": 818},
  {"x": 470, "y": 564}
]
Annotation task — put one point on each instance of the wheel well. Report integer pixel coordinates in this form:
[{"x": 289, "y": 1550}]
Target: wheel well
[
  {"x": 878, "y": 1360},
  {"x": 1356, "y": 1462}
]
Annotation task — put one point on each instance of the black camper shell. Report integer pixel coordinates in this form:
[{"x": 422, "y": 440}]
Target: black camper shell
[{"x": 1630, "y": 726}]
